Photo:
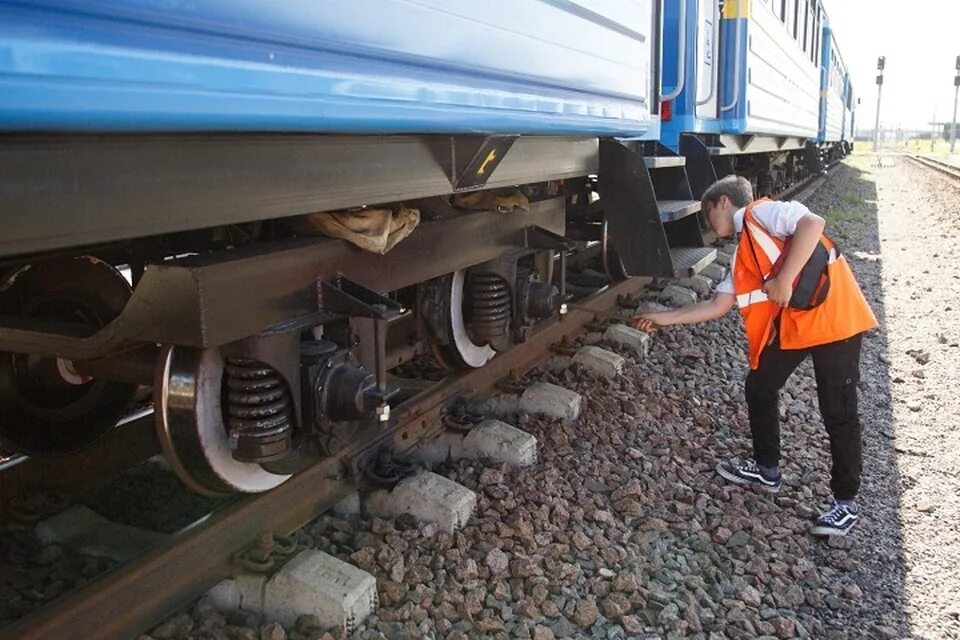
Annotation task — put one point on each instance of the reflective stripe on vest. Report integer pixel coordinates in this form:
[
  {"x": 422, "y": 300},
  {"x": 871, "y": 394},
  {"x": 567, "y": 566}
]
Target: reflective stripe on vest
[
  {"x": 757, "y": 295},
  {"x": 765, "y": 241}
]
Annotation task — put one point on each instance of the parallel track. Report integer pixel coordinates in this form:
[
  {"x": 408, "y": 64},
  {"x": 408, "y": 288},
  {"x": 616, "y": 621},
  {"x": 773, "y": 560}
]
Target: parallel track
[{"x": 937, "y": 165}]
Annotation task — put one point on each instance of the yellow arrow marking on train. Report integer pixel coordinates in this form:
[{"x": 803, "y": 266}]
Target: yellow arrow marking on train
[{"x": 490, "y": 158}]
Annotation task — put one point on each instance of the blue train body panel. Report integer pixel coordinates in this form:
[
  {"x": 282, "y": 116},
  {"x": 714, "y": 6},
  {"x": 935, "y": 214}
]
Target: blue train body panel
[
  {"x": 686, "y": 116},
  {"x": 834, "y": 80},
  {"x": 849, "y": 109},
  {"x": 776, "y": 92},
  {"x": 363, "y": 66},
  {"x": 749, "y": 74}
]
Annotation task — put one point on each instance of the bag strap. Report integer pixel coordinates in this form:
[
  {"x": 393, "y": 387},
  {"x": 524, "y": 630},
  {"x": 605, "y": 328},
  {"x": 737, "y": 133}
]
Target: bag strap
[
  {"x": 750, "y": 240},
  {"x": 753, "y": 251}
]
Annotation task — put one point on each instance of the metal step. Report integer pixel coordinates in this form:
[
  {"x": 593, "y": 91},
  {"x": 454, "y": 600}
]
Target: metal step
[
  {"x": 671, "y": 210},
  {"x": 664, "y": 162},
  {"x": 689, "y": 261}
]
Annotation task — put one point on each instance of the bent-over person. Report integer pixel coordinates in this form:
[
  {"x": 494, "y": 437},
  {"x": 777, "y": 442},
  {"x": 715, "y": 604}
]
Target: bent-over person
[{"x": 780, "y": 335}]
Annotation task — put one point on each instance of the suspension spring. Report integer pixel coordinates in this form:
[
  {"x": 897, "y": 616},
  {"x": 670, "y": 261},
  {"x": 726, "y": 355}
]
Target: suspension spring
[
  {"x": 490, "y": 305},
  {"x": 258, "y": 410}
]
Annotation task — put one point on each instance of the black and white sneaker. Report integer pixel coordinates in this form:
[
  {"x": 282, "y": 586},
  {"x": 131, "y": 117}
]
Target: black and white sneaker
[
  {"x": 748, "y": 473},
  {"x": 838, "y": 521}
]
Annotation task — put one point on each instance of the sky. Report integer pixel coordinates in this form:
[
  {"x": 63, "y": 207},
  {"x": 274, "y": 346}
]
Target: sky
[{"x": 920, "y": 39}]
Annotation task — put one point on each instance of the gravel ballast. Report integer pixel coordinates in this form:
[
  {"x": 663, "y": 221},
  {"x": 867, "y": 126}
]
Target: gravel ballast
[{"x": 622, "y": 529}]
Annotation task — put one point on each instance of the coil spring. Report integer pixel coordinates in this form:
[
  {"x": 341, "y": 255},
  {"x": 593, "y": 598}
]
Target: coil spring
[
  {"x": 258, "y": 406},
  {"x": 490, "y": 305}
]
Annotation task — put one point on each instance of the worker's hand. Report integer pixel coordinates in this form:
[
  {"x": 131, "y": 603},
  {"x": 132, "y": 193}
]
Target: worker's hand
[
  {"x": 647, "y": 322},
  {"x": 779, "y": 291}
]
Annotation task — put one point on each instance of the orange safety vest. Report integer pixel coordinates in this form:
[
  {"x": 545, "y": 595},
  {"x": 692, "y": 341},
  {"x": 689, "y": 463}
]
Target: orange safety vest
[{"x": 843, "y": 314}]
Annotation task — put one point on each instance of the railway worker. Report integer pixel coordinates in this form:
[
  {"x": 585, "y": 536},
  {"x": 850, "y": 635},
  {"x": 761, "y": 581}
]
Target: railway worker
[{"x": 781, "y": 334}]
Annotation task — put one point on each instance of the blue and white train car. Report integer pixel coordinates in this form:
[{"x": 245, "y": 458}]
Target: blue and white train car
[
  {"x": 836, "y": 108},
  {"x": 158, "y": 157},
  {"x": 748, "y": 96},
  {"x": 771, "y": 74},
  {"x": 850, "y": 111},
  {"x": 751, "y": 71}
]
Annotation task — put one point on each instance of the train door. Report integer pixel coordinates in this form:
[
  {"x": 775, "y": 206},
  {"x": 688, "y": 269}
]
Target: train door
[{"x": 708, "y": 58}]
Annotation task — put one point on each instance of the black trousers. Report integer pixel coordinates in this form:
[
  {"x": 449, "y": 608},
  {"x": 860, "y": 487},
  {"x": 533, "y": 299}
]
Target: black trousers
[{"x": 837, "y": 368}]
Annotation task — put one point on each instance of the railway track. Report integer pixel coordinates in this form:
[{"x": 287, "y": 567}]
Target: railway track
[
  {"x": 937, "y": 165},
  {"x": 139, "y": 594}
]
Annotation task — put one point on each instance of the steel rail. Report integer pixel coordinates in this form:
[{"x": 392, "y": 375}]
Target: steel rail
[
  {"x": 138, "y": 595},
  {"x": 938, "y": 165},
  {"x": 133, "y": 440}
]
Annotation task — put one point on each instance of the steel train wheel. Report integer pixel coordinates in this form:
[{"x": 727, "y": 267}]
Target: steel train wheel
[
  {"x": 45, "y": 406},
  {"x": 460, "y": 350},
  {"x": 612, "y": 264},
  {"x": 189, "y": 421}
]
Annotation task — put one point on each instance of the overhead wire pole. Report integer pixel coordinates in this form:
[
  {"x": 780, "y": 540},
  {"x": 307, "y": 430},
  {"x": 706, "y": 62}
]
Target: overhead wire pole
[
  {"x": 956, "y": 91},
  {"x": 881, "y": 62}
]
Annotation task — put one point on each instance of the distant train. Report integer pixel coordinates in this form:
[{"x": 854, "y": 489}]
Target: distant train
[{"x": 165, "y": 167}]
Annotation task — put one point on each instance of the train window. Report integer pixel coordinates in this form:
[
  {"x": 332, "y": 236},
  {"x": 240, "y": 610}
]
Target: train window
[
  {"x": 806, "y": 27},
  {"x": 816, "y": 37},
  {"x": 796, "y": 19}
]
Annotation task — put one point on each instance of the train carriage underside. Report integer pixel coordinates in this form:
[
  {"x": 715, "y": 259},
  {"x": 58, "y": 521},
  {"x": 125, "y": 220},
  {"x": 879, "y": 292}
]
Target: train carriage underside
[{"x": 266, "y": 347}]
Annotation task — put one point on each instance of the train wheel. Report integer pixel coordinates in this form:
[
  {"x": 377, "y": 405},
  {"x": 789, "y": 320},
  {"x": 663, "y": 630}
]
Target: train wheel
[
  {"x": 612, "y": 264},
  {"x": 45, "y": 406},
  {"x": 455, "y": 347},
  {"x": 189, "y": 420}
]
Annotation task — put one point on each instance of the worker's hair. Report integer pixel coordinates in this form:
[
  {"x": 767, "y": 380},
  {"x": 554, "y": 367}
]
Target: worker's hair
[{"x": 737, "y": 188}]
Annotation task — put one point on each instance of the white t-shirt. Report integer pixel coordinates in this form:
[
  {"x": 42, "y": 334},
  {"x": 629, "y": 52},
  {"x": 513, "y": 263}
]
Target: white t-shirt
[{"x": 779, "y": 218}]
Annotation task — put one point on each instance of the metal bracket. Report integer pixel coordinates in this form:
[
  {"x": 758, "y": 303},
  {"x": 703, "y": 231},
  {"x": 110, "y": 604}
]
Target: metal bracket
[
  {"x": 540, "y": 238},
  {"x": 700, "y": 168},
  {"x": 347, "y": 298},
  {"x": 536, "y": 237},
  {"x": 469, "y": 161},
  {"x": 368, "y": 312},
  {"x": 630, "y": 208}
]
